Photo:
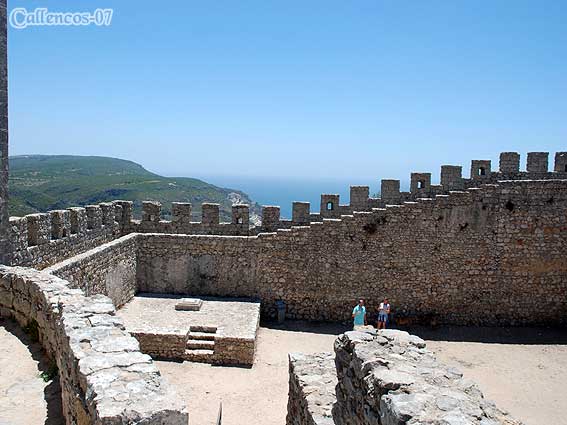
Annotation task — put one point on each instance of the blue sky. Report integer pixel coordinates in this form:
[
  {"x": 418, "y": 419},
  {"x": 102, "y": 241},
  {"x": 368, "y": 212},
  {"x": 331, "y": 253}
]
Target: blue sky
[{"x": 311, "y": 89}]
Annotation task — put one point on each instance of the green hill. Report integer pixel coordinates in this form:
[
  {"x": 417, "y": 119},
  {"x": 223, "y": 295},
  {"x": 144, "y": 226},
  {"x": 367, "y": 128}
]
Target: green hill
[{"x": 40, "y": 183}]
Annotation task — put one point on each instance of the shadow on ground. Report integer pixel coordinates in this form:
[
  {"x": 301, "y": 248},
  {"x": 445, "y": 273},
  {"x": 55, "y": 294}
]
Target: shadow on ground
[
  {"x": 52, "y": 391},
  {"x": 495, "y": 335},
  {"x": 305, "y": 326}
]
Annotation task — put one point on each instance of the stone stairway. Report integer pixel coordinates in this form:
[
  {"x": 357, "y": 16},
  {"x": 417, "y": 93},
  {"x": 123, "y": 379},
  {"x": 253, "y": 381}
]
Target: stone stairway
[{"x": 200, "y": 346}]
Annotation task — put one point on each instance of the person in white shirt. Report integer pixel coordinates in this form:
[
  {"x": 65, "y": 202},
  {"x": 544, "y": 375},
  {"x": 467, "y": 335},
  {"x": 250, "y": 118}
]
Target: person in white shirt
[{"x": 383, "y": 312}]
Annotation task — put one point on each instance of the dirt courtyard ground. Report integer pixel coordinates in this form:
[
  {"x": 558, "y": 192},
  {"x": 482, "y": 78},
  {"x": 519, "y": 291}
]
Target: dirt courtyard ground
[
  {"x": 25, "y": 399},
  {"x": 523, "y": 370}
]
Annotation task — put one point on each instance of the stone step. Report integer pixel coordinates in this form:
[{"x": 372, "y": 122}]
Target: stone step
[
  {"x": 203, "y": 328},
  {"x": 202, "y": 356},
  {"x": 202, "y": 336},
  {"x": 198, "y": 344}
]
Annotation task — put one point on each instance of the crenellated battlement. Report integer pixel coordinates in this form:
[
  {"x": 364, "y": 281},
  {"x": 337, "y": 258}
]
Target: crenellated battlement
[
  {"x": 451, "y": 179},
  {"x": 43, "y": 239},
  {"x": 433, "y": 256},
  {"x": 493, "y": 238},
  {"x": 182, "y": 221}
]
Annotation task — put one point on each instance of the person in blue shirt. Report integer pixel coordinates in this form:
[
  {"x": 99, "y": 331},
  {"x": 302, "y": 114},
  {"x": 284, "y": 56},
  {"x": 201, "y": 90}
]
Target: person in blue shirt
[{"x": 359, "y": 314}]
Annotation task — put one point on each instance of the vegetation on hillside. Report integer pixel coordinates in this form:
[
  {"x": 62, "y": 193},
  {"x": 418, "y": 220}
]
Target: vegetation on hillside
[{"x": 40, "y": 183}]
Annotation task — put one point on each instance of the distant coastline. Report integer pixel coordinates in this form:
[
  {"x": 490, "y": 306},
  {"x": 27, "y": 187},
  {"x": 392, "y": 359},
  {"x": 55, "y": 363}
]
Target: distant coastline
[{"x": 282, "y": 191}]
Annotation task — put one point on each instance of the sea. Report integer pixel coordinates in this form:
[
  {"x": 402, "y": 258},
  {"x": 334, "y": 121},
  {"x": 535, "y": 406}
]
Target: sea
[{"x": 283, "y": 191}]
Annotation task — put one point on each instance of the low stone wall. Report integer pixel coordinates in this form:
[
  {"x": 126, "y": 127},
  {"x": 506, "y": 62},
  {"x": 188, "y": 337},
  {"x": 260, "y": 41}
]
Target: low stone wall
[
  {"x": 312, "y": 382},
  {"x": 222, "y": 332},
  {"x": 389, "y": 377},
  {"x": 105, "y": 379},
  {"x": 109, "y": 269},
  {"x": 383, "y": 377},
  {"x": 164, "y": 344},
  {"x": 161, "y": 344},
  {"x": 234, "y": 351}
]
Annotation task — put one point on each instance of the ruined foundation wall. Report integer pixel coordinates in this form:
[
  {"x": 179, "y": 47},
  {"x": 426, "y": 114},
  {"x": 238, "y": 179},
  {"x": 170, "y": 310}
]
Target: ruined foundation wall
[
  {"x": 312, "y": 383},
  {"x": 161, "y": 344},
  {"x": 109, "y": 269},
  {"x": 502, "y": 245},
  {"x": 391, "y": 378},
  {"x": 105, "y": 379},
  {"x": 385, "y": 377}
]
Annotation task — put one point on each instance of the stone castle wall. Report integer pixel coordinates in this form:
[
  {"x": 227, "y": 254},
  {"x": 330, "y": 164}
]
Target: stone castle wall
[
  {"x": 198, "y": 265},
  {"x": 109, "y": 269},
  {"x": 4, "y": 238},
  {"x": 495, "y": 249},
  {"x": 105, "y": 379},
  {"x": 45, "y": 239},
  {"x": 42, "y": 240},
  {"x": 435, "y": 258}
]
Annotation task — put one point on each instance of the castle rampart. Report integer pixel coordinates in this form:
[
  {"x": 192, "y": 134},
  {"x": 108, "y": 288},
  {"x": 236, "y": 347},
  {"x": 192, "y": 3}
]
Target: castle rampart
[
  {"x": 433, "y": 258},
  {"x": 503, "y": 240},
  {"x": 93, "y": 352},
  {"x": 43, "y": 239}
]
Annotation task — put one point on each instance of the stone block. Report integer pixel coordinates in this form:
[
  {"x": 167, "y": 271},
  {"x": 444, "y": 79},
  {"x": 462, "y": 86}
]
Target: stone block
[{"x": 189, "y": 304}]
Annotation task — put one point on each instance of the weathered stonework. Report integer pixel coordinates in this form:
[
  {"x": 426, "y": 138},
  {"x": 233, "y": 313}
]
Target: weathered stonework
[
  {"x": 109, "y": 269},
  {"x": 223, "y": 331},
  {"x": 386, "y": 377},
  {"x": 105, "y": 379},
  {"x": 433, "y": 251},
  {"x": 94, "y": 225},
  {"x": 4, "y": 218},
  {"x": 44, "y": 239},
  {"x": 391, "y": 378},
  {"x": 537, "y": 162},
  {"x": 433, "y": 258},
  {"x": 312, "y": 382},
  {"x": 509, "y": 162}
]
